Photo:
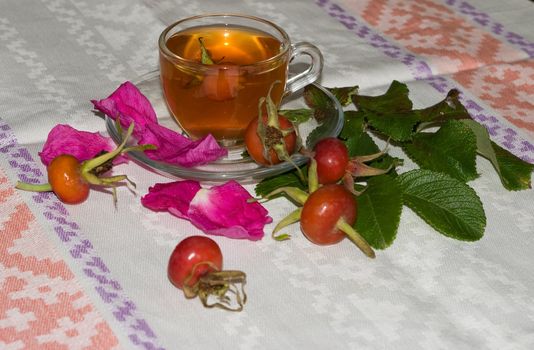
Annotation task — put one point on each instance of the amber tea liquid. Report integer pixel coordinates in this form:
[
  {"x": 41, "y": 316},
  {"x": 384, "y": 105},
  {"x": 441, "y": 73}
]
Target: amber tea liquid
[{"x": 221, "y": 98}]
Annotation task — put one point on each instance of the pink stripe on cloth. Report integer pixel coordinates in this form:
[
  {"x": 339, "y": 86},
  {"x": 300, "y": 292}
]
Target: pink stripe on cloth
[
  {"x": 484, "y": 20},
  {"x": 80, "y": 248},
  {"x": 447, "y": 41},
  {"x": 41, "y": 304}
]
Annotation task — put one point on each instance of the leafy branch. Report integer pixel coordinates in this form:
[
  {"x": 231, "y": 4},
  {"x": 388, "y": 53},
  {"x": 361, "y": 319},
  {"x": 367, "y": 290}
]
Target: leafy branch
[{"x": 442, "y": 139}]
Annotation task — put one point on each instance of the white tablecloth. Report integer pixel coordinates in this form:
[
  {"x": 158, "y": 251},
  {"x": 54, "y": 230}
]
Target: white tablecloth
[{"x": 94, "y": 276}]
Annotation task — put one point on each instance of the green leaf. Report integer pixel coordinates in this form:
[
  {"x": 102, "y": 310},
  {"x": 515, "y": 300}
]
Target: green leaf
[
  {"x": 322, "y": 106},
  {"x": 297, "y": 116},
  {"x": 450, "y": 150},
  {"x": 353, "y": 124},
  {"x": 400, "y": 126},
  {"x": 315, "y": 136},
  {"x": 379, "y": 211},
  {"x": 323, "y": 115},
  {"x": 449, "y": 108},
  {"x": 484, "y": 147},
  {"x": 326, "y": 126},
  {"x": 448, "y": 205},
  {"x": 324, "y": 110},
  {"x": 390, "y": 113},
  {"x": 315, "y": 98},
  {"x": 394, "y": 100},
  {"x": 289, "y": 179},
  {"x": 515, "y": 173},
  {"x": 344, "y": 94},
  {"x": 361, "y": 144}
]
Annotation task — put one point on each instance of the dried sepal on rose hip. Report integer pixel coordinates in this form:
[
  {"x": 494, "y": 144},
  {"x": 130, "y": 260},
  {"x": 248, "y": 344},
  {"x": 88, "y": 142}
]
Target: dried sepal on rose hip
[
  {"x": 334, "y": 163},
  {"x": 195, "y": 266},
  {"x": 327, "y": 213},
  {"x": 70, "y": 179},
  {"x": 271, "y": 138}
]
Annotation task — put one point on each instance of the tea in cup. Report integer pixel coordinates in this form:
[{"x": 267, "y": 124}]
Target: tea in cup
[{"x": 215, "y": 68}]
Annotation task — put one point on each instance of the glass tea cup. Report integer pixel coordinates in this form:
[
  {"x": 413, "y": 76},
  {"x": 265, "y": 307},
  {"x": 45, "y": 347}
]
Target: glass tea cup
[{"x": 215, "y": 68}]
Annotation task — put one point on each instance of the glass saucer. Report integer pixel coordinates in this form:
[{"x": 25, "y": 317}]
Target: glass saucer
[{"x": 236, "y": 165}]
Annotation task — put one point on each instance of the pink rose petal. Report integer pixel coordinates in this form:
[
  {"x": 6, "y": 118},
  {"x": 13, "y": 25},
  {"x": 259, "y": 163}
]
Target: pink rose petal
[
  {"x": 175, "y": 148},
  {"x": 174, "y": 196},
  {"x": 64, "y": 139},
  {"x": 221, "y": 210},
  {"x": 128, "y": 103}
]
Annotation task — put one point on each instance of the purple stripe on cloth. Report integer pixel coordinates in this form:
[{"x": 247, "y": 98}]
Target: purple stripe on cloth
[
  {"x": 81, "y": 249},
  {"x": 496, "y": 28},
  {"x": 506, "y": 136},
  {"x": 419, "y": 68}
]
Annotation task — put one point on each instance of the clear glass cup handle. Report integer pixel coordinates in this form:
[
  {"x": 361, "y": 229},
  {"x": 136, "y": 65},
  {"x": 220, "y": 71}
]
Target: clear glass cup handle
[{"x": 310, "y": 74}]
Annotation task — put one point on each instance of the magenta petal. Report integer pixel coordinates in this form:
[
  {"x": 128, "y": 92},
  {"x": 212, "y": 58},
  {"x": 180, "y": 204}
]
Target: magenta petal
[
  {"x": 224, "y": 210},
  {"x": 173, "y": 196},
  {"x": 128, "y": 103},
  {"x": 175, "y": 148},
  {"x": 64, "y": 139}
]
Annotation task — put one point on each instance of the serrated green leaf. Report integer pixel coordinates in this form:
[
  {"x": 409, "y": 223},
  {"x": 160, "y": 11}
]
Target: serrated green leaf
[
  {"x": 379, "y": 211},
  {"x": 450, "y": 150},
  {"x": 325, "y": 127},
  {"x": 449, "y": 108},
  {"x": 353, "y": 124},
  {"x": 344, "y": 94},
  {"x": 323, "y": 115},
  {"x": 289, "y": 179},
  {"x": 515, "y": 173},
  {"x": 361, "y": 144},
  {"x": 484, "y": 147},
  {"x": 394, "y": 100},
  {"x": 324, "y": 112},
  {"x": 315, "y": 98},
  {"x": 399, "y": 126},
  {"x": 450, "y": 206},
  {"x": 391, "y": 113},
  {"x": 297, "y": 116},
  {"x": 315, "y": 136}
]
